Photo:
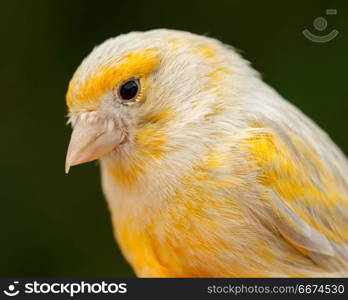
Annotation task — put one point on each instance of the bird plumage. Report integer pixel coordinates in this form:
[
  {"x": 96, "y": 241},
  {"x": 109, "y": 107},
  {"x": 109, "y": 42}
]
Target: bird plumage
[{"x": 212, "y": 173}]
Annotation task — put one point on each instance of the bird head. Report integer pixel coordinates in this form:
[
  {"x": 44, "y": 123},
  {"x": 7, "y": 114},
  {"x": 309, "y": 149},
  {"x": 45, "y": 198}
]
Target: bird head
[{"x": 149, "y": 93}]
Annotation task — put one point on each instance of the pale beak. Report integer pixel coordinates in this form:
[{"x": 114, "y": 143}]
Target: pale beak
[{"x": 90, "y": 141}]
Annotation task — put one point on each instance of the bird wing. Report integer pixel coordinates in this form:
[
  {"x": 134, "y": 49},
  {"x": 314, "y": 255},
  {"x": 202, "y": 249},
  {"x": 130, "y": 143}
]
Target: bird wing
[{"x": 307, "y": 201}]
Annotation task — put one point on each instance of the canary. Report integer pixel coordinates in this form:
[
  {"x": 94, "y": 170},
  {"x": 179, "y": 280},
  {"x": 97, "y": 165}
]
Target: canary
[{"x": 207, "y": 171}]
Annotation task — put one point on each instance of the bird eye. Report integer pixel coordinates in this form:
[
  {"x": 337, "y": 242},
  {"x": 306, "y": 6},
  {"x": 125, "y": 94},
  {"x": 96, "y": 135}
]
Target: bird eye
[{"x": 129, "y": 90}]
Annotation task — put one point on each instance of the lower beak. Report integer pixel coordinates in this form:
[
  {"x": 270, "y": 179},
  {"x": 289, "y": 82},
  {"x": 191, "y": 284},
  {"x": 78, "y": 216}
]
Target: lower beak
[{"x": 90, "y": 141}]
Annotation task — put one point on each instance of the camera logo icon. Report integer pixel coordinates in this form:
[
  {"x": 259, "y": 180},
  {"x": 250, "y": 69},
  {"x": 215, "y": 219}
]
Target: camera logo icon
[
  {"x": 320, "y": 24},
  {"x": 12, "y": 290}
]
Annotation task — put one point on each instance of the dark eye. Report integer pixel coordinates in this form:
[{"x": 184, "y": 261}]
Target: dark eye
[{"x": 130, "y": 89}]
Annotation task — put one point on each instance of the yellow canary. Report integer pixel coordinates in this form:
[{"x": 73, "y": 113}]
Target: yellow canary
[{"x": 207, "y": 171}]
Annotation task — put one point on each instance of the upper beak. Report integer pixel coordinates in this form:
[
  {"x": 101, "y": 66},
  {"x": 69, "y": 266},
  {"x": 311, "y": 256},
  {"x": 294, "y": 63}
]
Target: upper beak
[{"x": 90, "y": 141}]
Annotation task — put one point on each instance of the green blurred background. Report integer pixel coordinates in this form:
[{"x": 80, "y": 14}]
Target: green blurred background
[{"x": 52, "y": 224}]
